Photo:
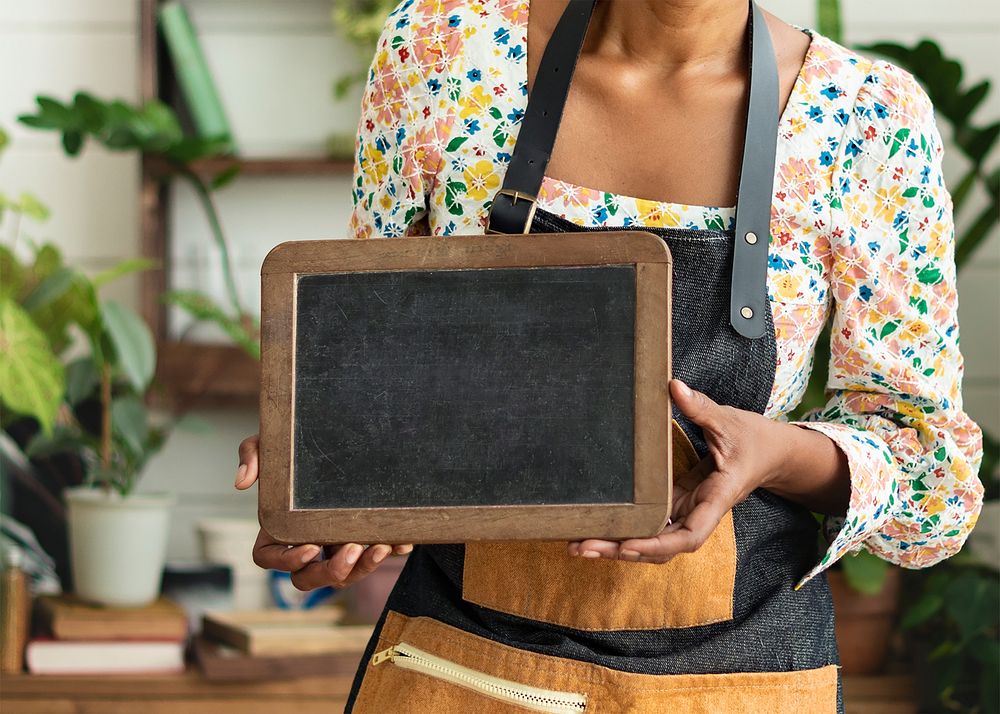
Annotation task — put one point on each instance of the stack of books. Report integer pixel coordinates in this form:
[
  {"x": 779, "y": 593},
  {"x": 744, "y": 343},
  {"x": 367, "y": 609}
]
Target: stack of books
[
  {"x": 279, "y": 644},
  {"x": 80, "y": 638}
]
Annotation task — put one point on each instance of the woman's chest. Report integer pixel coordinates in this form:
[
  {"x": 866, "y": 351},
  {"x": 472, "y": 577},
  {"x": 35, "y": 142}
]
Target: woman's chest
[{"x": 641, "y": 135}]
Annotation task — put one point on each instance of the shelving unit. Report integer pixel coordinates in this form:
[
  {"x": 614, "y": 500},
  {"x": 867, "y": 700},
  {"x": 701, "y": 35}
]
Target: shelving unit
[{"x": 195, "y": 373}]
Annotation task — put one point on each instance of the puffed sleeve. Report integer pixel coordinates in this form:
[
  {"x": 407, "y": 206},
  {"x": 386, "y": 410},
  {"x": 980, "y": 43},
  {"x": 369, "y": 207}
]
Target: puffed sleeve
[
  {"x": 894, "y": 386},
  {"x": 396, "y": 152}
]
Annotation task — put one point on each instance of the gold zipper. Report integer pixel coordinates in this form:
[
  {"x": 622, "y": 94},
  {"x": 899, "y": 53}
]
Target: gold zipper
[{"x": 533, "y": 698}]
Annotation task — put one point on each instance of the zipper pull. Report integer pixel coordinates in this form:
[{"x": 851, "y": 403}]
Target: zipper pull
[{"x": 386, "y": 654}]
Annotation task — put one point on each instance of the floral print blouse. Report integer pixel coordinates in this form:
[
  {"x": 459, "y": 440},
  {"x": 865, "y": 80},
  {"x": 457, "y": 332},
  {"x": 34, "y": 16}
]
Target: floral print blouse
[{"x": 861, "y": 234}]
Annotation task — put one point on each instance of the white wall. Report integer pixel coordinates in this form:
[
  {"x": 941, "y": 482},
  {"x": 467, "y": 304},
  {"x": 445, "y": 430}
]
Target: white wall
[{"x": 274, "y": 61}]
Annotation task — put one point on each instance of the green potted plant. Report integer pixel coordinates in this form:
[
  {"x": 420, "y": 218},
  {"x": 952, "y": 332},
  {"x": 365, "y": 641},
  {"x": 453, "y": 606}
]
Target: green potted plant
[
  {"x": 117, "y": 538},
  {"x": 48, "y": 311}
]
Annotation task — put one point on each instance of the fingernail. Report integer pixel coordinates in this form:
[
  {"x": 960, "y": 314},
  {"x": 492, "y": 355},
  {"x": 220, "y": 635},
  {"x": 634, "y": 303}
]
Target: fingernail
[
  {"x": 380, "y": 553},
  {"x": 241, "y": 473},
  {"x": 354, "y": 552},
  {"x": 309, "y": 553},
  {"x": 684, "y": 389},
  {"x": 403, "y": 549},
  {"x": 590, "y": 554},
  {"x": 629, "y": 554}
]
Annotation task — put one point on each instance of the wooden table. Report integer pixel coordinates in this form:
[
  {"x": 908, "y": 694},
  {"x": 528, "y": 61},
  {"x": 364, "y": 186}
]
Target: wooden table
[
  {"x": 187, "y": 693},
  {"x": 190, "y": 693}
]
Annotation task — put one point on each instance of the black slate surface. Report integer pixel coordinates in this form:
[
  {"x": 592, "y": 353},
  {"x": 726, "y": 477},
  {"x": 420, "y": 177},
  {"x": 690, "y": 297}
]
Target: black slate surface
[{"x": 464, "y": 387}]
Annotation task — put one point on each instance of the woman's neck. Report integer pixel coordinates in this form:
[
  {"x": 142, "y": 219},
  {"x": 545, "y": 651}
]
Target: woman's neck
[{"x": 672, "y": 35}]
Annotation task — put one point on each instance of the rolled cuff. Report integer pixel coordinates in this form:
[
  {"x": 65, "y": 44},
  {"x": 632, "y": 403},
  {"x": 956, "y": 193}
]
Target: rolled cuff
[{"x": 873, "y": 490}]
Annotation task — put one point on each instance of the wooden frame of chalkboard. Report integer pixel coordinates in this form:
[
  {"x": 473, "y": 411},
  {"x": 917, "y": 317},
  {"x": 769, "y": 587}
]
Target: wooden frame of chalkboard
[{"x": 644, "y": 514}]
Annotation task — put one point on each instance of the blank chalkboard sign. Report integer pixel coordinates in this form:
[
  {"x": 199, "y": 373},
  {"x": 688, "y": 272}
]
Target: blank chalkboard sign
[{"x": 465, "y": 388}]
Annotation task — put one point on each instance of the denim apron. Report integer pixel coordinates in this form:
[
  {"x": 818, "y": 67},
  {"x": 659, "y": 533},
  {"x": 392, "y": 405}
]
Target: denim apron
[{"x": 511, "y": 627}]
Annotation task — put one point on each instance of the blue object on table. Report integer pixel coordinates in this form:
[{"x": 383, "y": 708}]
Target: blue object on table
[{"x": 287, "y": 597}]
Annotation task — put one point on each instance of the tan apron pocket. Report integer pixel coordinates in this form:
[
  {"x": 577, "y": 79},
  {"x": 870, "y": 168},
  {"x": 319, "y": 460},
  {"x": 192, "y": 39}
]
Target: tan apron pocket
[
  {"x": 540, "y": 581},
  {"x": 387, "y": 687}
]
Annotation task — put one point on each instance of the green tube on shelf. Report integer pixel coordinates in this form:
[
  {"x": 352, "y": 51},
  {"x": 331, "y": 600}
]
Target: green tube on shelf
[{"x": 196, "y": 83}]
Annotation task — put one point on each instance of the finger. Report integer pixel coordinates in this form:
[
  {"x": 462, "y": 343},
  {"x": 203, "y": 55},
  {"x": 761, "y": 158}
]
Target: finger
[
  {"x": 331, "y": 571},
  {"x": 246, "y": 474},
  {"x": 696, "y": 406},
  {"x": 685, "y": 537},
  {"x": 342, "y": 561},
  {"x": 276, "y": 556},
  {"x": 338, "y": 572},
  {"x": 314, "y": 575},
  {"x": 594, "y": 548},
  {"x": 404, "y": 549},
  {"x": 372, "y": 558}
]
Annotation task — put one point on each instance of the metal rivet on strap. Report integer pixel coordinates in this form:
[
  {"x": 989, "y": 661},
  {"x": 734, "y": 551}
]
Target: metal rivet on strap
[
  {"x": 746, "y": 312},
  {"x": 750, "y": 238}
]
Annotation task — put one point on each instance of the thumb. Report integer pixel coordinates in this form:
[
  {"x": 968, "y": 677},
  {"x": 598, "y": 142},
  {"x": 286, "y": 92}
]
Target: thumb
[{"x": 695, "y": 406}]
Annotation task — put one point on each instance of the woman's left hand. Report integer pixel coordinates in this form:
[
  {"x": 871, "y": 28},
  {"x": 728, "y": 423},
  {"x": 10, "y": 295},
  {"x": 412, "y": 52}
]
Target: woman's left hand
[{"x": 746, "y": 451}]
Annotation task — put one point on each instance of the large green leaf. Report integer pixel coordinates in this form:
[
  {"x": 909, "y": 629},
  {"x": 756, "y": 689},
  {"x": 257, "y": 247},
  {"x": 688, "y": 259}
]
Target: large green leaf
[
  {"x": 130, "y": 422},
  {"x": 31, "y": 376},
  {"x": 76, "y": 304},
  {"x": 49, "y": 290},
  {"x": 132, "y": 342},
  {"x": 82, "y": 379},
  {"x": 54, "y": 295}
]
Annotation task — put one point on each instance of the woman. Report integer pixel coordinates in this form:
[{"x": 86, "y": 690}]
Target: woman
[{"x": 670, "y": 113}]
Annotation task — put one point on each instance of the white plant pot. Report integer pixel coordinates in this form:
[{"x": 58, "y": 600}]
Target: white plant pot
[
  {"x": 229, "y": 541},
  {"x": 117, "y": 545}
]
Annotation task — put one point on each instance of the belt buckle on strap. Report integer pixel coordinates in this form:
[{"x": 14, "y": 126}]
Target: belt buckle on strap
[{"x": 514, "y": 196}]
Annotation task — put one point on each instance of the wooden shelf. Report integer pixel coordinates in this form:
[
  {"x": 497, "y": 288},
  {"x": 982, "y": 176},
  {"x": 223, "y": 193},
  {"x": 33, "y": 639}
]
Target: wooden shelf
[
  {"x": 276, "y": 166},
  {"x": 207, "y": 374},
  {"x": 192, "y": 373}
]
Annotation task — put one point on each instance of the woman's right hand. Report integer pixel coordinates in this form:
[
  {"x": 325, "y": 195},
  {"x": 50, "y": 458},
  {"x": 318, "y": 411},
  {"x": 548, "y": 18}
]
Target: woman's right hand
[{"x": 342, "y": 565}]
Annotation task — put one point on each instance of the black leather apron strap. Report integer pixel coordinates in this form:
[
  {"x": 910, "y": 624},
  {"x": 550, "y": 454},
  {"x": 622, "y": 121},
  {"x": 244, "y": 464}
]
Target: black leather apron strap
[
  {"x": 753, "y": 200},
  {"x": 513, "y": 206}
]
